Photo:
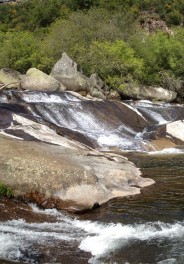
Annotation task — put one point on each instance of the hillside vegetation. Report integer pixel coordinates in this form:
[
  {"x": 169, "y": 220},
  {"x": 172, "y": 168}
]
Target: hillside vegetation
[{"x": 103, "y": 36}]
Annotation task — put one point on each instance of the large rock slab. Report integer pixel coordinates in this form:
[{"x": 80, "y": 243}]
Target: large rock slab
[
  {"x": 168, "y": 135},
  {"x": 66, "y": 71},
  {"x": 65, "y": 178},
  {"x": 37, "y": 80},
  {"x": 175, "y": 130},
  {"x": 134, "y": 91},
  {"x": 10, "y": 78}
]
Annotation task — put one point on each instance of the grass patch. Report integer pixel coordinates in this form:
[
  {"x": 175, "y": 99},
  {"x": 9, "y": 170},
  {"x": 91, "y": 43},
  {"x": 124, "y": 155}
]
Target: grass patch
[{"x": 5, "y": 191}]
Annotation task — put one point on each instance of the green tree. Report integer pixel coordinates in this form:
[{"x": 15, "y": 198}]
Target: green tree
[
  {"x": 17, "y": 50},
  {"x": 160, "y": 52},
  {"x": 115, "y": 62}
]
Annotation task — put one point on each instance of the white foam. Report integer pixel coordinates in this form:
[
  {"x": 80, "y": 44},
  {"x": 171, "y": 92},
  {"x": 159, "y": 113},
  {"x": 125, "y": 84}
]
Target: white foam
[
  {"x": 167, "y": 151},
  {"x": 9, "y": 246},
  {"x": 112, "y": 236},
  {"x": 97, "y": 238},
  {"x": 114, "y": 140},
  {"x": 86, "y": 121},
  {"x": 168, "y": 261},
  {"x": 3, "y": 99},
  {"x": 42, "y": 98},
  {"x": 155, "y": 115}
]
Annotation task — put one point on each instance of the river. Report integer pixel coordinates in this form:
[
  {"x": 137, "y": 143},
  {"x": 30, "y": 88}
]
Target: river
[
  {"x": 148, "y": 228},
  {"x": 143, "y": 229}
]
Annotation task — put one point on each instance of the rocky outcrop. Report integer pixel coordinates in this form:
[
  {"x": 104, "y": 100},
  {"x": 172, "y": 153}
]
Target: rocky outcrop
[
  {"x": 9, "y": 78},
  {"x": 64, "y": 177},
  {"x": 37, "y": 80},
  {"x": 97, "y": 88},
  {"x": 135, "y": 91},
  {"x": 151, "y": 24},
  {"x": 66, "y": 72}
]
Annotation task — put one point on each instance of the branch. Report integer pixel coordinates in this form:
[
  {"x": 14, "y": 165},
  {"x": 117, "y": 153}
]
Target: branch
[{"x": 4, "y": 86}]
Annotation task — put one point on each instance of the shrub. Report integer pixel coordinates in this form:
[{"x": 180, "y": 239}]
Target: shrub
[
  {"x": 17, "y": 50},
  {"x": 115, "y": 62},
  {"x": 160, "y": 53}
]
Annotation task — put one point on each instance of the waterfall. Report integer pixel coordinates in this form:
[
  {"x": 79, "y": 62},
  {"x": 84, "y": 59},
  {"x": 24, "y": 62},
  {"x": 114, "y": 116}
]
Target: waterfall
[{"x": 101, "y": 124}]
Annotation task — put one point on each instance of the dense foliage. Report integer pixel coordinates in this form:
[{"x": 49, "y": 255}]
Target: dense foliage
[{"x": 103, "y": 36}]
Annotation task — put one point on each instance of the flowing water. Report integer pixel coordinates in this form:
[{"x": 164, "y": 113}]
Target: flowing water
[{"x": 148, "y": 228}]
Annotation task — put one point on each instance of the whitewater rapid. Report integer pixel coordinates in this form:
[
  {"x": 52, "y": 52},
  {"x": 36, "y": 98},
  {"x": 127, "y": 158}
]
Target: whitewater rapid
[{"x": 97, "y": 238}]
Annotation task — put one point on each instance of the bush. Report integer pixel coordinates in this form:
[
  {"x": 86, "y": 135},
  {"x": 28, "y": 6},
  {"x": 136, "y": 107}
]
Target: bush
[
  {"x": 160, "y": 53},
  {"x": 17, "y": 51},
  {"x": 76, "y": 34},
  {"x": 115, "y": 62}
]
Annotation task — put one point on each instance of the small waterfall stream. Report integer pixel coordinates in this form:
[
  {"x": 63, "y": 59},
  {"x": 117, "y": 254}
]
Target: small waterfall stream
[
  {"x": 105, "y": 124},
  {"x": 125, "y": 231}
]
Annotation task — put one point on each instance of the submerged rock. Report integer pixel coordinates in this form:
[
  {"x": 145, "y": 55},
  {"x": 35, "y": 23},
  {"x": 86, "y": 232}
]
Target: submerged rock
[{"x": 135, "y": 91}]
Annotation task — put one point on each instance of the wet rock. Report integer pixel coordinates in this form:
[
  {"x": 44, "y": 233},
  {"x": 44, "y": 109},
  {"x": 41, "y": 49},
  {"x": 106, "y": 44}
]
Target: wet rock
[
  {"x": 168, "y": 135},
  {"x": 175, "y": 130},
  {"x": 37, "y": 80},
  {"x": 135, "y": 91},
  {"x": 26, "y": 128},
  {"x": 91, "y": 122},
  {"x": 6, "y": 118}
]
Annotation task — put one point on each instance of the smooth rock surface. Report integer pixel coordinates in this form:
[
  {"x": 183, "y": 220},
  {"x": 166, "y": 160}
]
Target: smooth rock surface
[
  {"x": 37, "y": 80},
  {"x": 135, "y": 91},
  {"x": 57, "y": 176},
  {"x": 176, "y": 130},
  {"x": 168, "y": 135}
]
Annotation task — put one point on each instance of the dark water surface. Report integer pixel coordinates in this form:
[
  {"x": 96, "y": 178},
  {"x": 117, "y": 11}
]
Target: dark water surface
[
  {"x": 148, "y": 228},
  {"x": 159, "y": 204}
]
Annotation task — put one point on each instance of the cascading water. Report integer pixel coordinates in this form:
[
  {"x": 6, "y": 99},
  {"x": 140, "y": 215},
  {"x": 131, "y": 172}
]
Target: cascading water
[
  {"x": 106, "y": 124},
  {"x": 147, "y": 231}
]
